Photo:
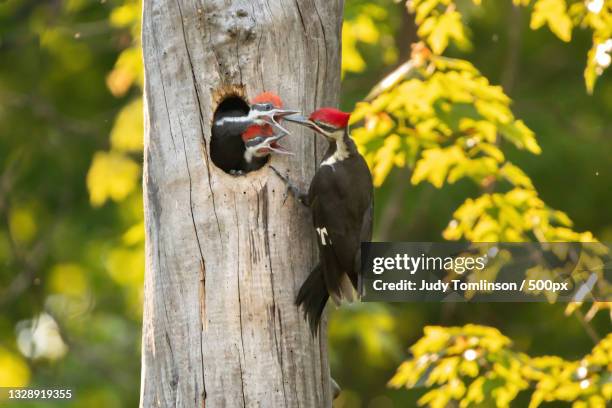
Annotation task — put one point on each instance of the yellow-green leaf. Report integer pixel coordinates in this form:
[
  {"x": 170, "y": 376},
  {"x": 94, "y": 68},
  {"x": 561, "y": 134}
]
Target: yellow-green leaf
[
  {"x": 111, "y": 175},
  {"x": 553, "y": 13},
  {"x": 128, "y": 130}
]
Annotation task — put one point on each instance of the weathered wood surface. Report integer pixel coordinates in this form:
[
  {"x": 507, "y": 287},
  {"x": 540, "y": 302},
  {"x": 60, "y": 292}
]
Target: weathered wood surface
[{"x": 224, "y": 255}]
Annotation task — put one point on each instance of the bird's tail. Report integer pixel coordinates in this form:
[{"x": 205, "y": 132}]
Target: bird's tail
[{"x": 313, "y": 297}]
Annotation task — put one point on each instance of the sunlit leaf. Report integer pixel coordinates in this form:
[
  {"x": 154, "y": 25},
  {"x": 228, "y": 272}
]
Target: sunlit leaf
[
  {"x": 128, "y": 70},
  {"x": 126, "y": 14},
  {"x": 435, "y": 164},
  {"x": 497, "y": 373},
  {"x": 134, "y": 235},
  {"x": 126, "y": 266},
  {"x": 15, "y": 372},
  {"x": 515, "y": 175},
  {"x": 68, "y": 279},
  {"x": 128, "y": 130},
  {"x": 22, "y": 225},
  {"x": 111, "y": 175},
  {"x": 553, "y": 13}
]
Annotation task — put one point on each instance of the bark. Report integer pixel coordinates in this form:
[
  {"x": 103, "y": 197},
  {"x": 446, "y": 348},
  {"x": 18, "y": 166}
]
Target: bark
[{"x": 224, "y": 255}]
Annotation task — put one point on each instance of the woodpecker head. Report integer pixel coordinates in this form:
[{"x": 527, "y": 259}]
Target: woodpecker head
[
  {"x": 264, "y": 109},
  {"x": 267, "y": 108},
  {"x": 261, "y": 141},
  {"x": 329, "y": 122}
]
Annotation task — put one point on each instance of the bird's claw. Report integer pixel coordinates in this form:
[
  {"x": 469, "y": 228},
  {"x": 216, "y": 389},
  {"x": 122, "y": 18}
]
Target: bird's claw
[
  {"x": 279, "y": 174},
  {"x": 290, "y": 187},
  {"x": 286, "y": 182}
]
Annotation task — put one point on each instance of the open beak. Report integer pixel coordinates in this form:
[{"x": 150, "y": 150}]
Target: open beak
[
  {"x": 273, "y": 115},
  {"x": 304, "y": 121},
  {"x": 271, "y": 143}
]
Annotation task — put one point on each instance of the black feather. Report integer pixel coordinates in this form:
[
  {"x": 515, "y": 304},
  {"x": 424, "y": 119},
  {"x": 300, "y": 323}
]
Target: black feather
[
  {"x": 226, "y": 145},
  {"x": 312, "y": 297},
  {"x": 341, "y": 201}
]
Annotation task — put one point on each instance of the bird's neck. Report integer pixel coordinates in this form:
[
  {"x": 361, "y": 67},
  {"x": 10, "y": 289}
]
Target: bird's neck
[
  {"x": 248, "y": 156},
  {"x": 252, "y": 162},
  {"x": 339, "y": 149}
]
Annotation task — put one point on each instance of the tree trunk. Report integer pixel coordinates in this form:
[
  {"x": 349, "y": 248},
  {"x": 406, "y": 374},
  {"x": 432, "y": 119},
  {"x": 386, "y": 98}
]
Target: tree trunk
[{"x": 224, "y": 255}]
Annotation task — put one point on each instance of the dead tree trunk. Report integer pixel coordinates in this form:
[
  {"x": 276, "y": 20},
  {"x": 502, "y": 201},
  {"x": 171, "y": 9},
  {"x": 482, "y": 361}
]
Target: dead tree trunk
[{"x": 224, "y": 255}]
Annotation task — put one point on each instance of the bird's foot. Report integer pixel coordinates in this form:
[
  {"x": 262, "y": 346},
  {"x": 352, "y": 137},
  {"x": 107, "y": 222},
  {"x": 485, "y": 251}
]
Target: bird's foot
[
  {"x": 236, "y": 172},
  {"x": 291, "y": 188}
]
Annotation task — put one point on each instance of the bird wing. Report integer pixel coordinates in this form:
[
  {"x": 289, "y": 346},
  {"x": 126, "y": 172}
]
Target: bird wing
[
  {"x": 366, "y": 225},
  {"x": 335, "y": 225},
  {"x": 226, "y": 148},
  {"x": 365, "y": 236}
]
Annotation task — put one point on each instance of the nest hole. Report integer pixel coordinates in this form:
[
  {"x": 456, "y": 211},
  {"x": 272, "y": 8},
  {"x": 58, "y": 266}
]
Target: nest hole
[
  {"x": 232, "y": 103},
  {"x": 227, "y": 148}
]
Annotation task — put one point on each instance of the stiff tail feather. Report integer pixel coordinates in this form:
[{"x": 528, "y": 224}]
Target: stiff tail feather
[{"x": 313, "y": 297}]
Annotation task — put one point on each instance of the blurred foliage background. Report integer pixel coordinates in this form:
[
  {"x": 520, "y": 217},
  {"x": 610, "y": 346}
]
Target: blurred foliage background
[{"x": 71, "y": 233}]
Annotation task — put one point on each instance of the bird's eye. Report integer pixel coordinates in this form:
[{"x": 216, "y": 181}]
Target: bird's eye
[
  {"x": 254, "y": 141},
  {"x": 263, "y": 107}
]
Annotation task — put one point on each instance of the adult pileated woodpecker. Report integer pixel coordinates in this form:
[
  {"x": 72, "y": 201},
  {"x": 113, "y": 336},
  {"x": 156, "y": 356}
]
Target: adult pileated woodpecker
[
  {"x": 341, "y": 199},
  {"x": 242, "y": 139}
]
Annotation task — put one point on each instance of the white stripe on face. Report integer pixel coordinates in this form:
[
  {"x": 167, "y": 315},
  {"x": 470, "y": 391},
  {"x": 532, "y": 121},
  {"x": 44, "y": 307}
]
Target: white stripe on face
[{"x": 252, "y": 116}]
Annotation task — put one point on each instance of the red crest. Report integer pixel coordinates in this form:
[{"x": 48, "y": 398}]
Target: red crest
[
  {"x": 268, "y": 97},
  {"x": 331, "y": 116},
  {"x": 257, "y": 130}
]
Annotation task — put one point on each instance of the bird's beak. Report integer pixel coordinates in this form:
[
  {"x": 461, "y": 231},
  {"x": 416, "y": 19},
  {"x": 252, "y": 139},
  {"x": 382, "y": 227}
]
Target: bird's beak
[
  {"x": 299, "y": 119},
  {"x": 272, "y": 117},
  {"x": 304, "y": 121},
  {"x": 282, "y": 113},
  {"x": 271, "y": 143}
]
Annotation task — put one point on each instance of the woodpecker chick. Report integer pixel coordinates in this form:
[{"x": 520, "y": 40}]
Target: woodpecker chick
[
  {"x": 227, "y": 144},
  {"x": 341, "y": 200},
  {"x": 260, "y": 142}
]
